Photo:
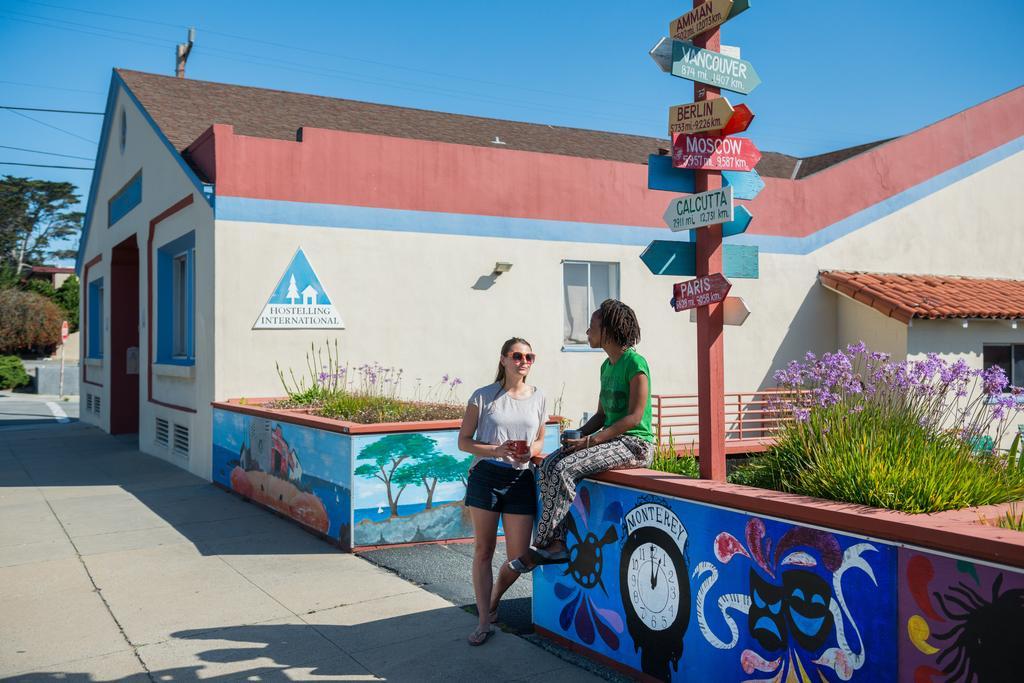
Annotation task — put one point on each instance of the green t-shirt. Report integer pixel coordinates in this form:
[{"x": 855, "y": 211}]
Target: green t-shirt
[{"x": 615, "y": 392}]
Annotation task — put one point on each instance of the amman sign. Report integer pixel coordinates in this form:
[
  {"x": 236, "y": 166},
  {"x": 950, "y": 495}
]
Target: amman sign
[
  {"x": 712, "y": 68},
  {"x": 714, "y": 152},
  {"x": 698, "y": 210},
  {"x": 701, "y": 18},
  {"x": 697, "y": 117}
]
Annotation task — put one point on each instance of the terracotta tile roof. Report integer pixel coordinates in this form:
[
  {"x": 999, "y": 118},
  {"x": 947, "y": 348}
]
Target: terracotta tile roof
[
  {"x": 904, "y": 297},
  {"x": 184, "y": 108},
  {"x": 51, "y": 269}
]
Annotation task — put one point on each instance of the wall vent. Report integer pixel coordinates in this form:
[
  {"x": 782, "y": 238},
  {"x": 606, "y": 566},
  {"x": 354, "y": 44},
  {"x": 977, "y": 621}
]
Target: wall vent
[
  {"x": 88, "y": 403},
  {"x": 96, "y": 405},
  {"x": 181, "y": 440},
  {"x": 163, "y": 429}
]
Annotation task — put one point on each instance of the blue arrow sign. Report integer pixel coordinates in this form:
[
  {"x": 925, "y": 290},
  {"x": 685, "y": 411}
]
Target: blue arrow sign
[
  {"x": 737, "y": 226},
  {"x": 664, "y": 257},
  {"x": 713, "y": 68},
  {"x": 661, "y": 175}
]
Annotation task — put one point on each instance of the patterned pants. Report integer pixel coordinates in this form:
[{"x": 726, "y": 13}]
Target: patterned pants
[{"x": 560, "y": 472}]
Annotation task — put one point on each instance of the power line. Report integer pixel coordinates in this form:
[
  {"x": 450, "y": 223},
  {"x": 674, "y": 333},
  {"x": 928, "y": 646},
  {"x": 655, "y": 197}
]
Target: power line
[
  {"x": 39, "y": 151},
  {"x": 52, "y": 87},
  {"x": 74, "y": 168},
  {"x": 48, "y": 125},
  {"x": 54, "y": 111}
]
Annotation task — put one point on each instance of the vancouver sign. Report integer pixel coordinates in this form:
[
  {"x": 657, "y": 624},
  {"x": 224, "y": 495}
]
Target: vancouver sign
[
  {"x": 714, "y": 153},
  {"x": 699, "y": 210},
  {"x": 712, "y": 68}
]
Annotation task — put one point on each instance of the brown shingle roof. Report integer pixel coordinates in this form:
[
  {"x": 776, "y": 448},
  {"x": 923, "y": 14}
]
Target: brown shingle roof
[
  {"x": 904, "y": 297},
  {"x": 184, "y": 108}
]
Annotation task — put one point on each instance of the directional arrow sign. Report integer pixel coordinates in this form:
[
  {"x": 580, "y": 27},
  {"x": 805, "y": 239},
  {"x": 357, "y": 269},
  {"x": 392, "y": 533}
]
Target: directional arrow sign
[
  {"x": 666, "y": 257},
  {"x": 705, "y": 290},
  {"x": 712, "y": 68},
  {"x": 737, "y": 226},
  {"x": 734, "y": 311},
  {"x": 714, "y": 153},
  {"x": 738, "y": 122},
  {"x": 701, "y": 18},
  {"x": 698, "y": 210},
  {"x": 661, "y": 53},
  {"x": 661, "y": 176},
  {"x": 698, "y": 117}
]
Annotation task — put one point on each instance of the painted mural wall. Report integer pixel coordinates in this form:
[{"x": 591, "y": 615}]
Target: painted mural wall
[
  {"x": 377, "y": 489},
  {"x": 690, "y": 592}
]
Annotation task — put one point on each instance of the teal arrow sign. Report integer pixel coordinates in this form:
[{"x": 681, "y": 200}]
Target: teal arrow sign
[
  {"x": 664, "y": 257},
  {"x": 662, "y": 176},
  {"x": 741, "y": 218},
  {"x": 713, "y": 68}
]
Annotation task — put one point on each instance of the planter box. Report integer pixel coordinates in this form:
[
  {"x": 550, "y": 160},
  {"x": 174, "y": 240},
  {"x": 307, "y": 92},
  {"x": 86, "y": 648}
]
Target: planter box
[
  {"x": 324, "y": 474},
  {"x": 679, "y": 579}
]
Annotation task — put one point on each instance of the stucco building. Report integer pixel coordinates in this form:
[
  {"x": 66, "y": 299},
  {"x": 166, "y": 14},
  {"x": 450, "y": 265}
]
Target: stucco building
[{"x": 209, "y": 199}]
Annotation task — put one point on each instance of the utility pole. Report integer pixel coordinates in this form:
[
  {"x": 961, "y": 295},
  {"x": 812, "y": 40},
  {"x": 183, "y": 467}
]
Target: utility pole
[{"x": 182, "y": 52}]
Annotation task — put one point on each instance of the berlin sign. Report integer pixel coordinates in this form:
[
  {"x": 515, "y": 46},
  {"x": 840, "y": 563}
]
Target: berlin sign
[
  {"x": 705, "y": 290},
  {"x": 698, "y": 117},
  {"x": 698, "y": 210},
  {"x": 710, "y": 67},
  {"x": 701, "y": 18},
  {"x": 662, "y": 176},
  {"x": 714, "y": 153}
]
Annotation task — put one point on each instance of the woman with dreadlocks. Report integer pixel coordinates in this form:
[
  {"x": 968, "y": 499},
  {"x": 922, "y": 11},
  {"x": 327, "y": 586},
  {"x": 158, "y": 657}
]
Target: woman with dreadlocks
[{"x": 618, "y": 436}]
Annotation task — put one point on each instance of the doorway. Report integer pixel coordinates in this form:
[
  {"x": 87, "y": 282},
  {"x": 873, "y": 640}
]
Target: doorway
[{"x": 124, "y": 337}]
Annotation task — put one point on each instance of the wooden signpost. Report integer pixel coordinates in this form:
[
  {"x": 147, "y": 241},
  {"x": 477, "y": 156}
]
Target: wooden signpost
[
  {"x": 698, "y": 210},
  {"x": 706, "y": 290},
  {"x": 736, "y": 311},
  {"x": 706, "y": 157},
  {"x": 714, "y": 153}
]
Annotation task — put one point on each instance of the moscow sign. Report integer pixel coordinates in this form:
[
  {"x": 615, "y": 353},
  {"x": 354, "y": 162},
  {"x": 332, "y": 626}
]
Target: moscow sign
[
  {"x": 714, "y": 153},
  {"x": 705, "y": 290},
  {"x": 712, "y": 68},
  {"x": 699, "y": 210}
]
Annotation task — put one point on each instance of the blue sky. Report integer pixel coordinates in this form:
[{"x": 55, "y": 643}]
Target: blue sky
[{"x": 834, "y": 74}]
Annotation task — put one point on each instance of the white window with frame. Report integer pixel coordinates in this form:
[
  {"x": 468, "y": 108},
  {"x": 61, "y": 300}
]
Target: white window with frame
[
  {"x": 585, "y": 284},
  {"x": 1010, "y": 357},
  {"x": 180, "y": 287}
]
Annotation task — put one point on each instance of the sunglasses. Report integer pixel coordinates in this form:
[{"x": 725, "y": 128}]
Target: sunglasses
[{"x": 520, "y": 357}]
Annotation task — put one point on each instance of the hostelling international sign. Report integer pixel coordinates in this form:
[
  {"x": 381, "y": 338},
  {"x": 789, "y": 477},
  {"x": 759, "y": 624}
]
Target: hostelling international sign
[{"x": 299, "y": 302}]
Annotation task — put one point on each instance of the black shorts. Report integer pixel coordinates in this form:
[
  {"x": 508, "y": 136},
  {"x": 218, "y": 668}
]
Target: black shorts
[{"x": 501, "y": 489}]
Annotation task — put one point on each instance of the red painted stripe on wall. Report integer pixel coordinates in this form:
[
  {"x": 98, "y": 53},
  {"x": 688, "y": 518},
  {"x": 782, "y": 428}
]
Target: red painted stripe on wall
[{"x": 337, "y": 167}]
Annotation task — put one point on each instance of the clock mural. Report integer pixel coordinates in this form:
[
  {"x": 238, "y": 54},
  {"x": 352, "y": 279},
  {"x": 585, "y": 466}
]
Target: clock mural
[{"x": 655, "y": 587}]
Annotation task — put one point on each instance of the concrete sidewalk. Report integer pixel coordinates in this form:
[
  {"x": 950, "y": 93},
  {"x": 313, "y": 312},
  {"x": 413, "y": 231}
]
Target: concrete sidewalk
[{"x": 116, "y": 565}]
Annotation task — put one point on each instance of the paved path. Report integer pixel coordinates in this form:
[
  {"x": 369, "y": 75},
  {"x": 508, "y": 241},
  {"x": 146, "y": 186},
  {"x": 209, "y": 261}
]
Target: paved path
[
  {"x": 18, "y": 411},
  {"x": 116, "y": 565}
]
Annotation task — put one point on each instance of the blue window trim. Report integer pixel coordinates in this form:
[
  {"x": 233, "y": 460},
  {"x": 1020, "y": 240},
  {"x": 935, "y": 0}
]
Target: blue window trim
[
  {"x": 95, "y": 322},
  {"x": 125, "y": 199},
  {"x": 186, "y": 244}
]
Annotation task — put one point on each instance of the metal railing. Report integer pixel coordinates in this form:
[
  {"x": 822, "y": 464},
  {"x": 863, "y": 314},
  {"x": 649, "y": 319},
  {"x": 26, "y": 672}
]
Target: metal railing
[{"x": 749, "y": 416}]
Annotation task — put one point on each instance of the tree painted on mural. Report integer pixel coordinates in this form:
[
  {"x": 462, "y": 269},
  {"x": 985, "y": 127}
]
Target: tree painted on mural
[{"x": 402, "y": 460}]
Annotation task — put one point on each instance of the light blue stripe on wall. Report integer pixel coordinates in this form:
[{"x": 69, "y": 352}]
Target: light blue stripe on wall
[
  {"x": 367, "y": 218},
  {"x": 126, "y": 199}
]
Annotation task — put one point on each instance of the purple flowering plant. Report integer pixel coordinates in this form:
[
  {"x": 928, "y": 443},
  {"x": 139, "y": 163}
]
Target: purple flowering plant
[
  {"x": 917, "y": 436},
  {"x": 367, "y": 393}
]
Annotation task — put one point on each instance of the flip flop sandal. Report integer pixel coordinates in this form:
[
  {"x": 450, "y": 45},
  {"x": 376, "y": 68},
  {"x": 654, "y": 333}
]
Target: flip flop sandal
[
  {"x": 478, "y": 638},
  {"x": 519, "y": 567},
  {"x": 547, "y": 557}
]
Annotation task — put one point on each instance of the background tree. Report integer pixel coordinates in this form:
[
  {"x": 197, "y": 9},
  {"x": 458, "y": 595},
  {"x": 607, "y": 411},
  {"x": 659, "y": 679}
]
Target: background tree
[
  {"x": 34, "y": 216},
  {"x": 29, "y": 322},
  {"x": 386, "y": 455}
]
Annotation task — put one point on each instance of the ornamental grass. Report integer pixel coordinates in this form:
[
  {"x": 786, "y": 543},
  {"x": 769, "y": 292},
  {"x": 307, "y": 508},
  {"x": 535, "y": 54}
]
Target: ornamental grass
[
  {"x": 366, "y": 394},
  {"x": 668, "y": 459},
  {"x": 915, "y": 436}
]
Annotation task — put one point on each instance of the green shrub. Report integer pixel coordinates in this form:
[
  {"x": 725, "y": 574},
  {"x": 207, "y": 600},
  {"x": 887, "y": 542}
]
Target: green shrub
[
  {"x": 31, "y": 322},
  {"x": 12, "y": 373},
  {"x": 883, "y": 458},
  {"x": 667, "y": 459}
]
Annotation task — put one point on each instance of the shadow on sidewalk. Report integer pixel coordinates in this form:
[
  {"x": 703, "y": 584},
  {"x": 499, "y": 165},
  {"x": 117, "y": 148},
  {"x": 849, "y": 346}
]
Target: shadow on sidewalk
[{"x": 100, "y": 485}]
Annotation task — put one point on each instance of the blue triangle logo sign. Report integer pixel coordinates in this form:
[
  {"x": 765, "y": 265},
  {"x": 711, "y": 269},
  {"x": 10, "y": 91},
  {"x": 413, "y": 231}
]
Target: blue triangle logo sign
[{"x": 299, "y": 302}]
